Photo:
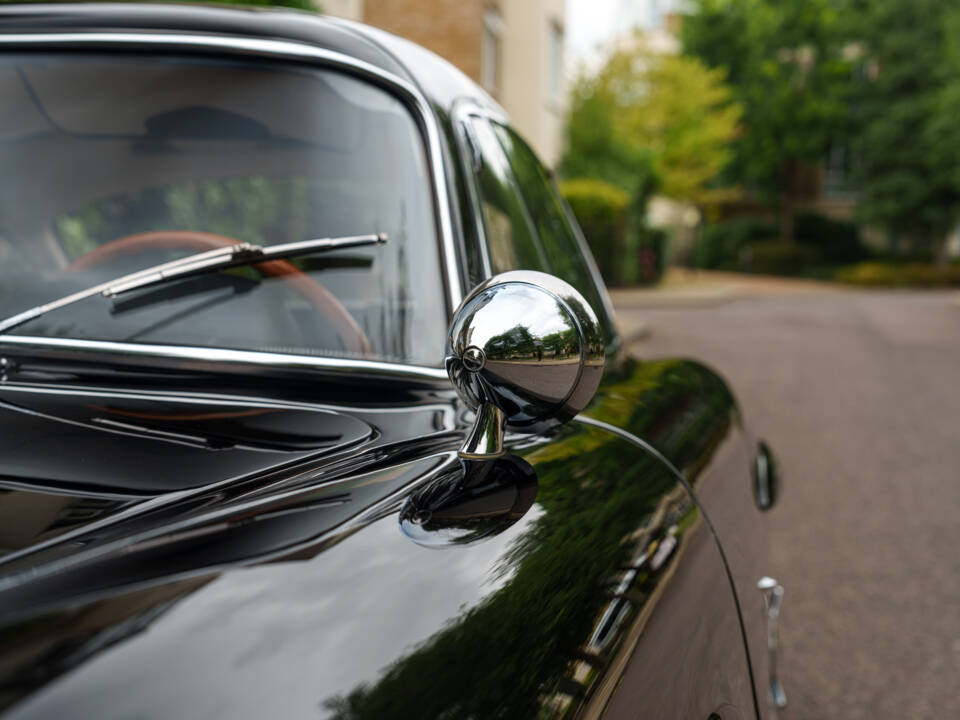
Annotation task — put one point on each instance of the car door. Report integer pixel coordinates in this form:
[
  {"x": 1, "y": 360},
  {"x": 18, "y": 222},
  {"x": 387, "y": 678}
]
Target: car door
[{"x": 526, "y": 226}]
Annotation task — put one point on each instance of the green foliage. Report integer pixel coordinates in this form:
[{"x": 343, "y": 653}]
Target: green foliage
[
  {"x": 595, "y": 149},
  {"x": 774, "y": 258},
  {"x": 688, "y": 120},
  {"x": 601, "y": 210},
  {"x": 746, "y": 243},
  {"x": 784, "y": 60},
  {"x": 645, "y": 122},
  {"x": 593, "y": 199},
  {"x": 836, "y": 242},
  {"x": 907, "y": 108},
  {"x": 627, "y": 251},
  {"x": 646, "y": 114},
  {"x": 651, "y": 253},
  {"x": 878, "y": 78},
  {"x": 518, "y": 342},
  {"x": 77, "y": 231},
  {"x": 942, "y": 128},
  {"x": 888, "y": 274},
  {"x": 253, "y": 209},
  {"x": 720, "y": 245}
]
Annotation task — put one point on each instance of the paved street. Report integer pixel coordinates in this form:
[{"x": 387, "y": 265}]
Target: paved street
[{"x": 858, "y": 392}]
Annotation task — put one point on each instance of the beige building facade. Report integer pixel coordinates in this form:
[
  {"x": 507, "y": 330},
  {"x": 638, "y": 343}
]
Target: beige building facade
[{"x": 512, "y": 48}]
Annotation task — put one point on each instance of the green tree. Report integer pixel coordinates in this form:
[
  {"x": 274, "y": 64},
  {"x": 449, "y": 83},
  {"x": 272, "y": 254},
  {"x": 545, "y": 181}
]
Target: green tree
[
  {"x": 595, "y": 146},
  {"x": 646, "y": 112},
  {"x": 683, "y": 113},
  {"x": 907, "y": 104},
  {"x": 784, "y": 60}
]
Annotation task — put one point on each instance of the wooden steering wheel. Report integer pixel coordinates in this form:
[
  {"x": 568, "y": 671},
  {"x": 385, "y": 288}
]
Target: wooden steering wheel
[{"x": 350, "y": 333}]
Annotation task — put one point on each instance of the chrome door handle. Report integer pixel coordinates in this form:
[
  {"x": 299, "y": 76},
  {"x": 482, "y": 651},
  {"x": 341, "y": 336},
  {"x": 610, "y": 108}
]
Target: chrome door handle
[{"x": 772, "y": 592}]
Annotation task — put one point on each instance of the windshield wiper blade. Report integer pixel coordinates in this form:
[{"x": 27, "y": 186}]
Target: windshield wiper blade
[{"x": 196, "y": 264}]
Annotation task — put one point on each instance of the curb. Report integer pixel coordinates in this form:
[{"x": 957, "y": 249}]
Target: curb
[
  {"x": 635, "y": 334},
  {"x": 686, "y": 298}
]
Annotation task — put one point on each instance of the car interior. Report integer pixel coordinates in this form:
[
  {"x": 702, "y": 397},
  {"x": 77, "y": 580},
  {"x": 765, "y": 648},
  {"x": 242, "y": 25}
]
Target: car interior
[{"x": 185, "y": 154}]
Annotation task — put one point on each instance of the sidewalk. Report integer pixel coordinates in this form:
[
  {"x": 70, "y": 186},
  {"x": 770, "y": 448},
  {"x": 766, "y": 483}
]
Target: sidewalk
[
  {"x": 692, "y": 288},
  {"x": 683, "y": 288}
]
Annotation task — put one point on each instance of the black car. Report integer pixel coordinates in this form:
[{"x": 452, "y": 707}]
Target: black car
[{"x": 312, "y": 403}]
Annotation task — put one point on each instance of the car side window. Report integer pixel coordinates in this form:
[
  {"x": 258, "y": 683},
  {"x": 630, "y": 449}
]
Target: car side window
[
  {"x": 558, "y": 239},
  {"x": 510, "y": 233}
]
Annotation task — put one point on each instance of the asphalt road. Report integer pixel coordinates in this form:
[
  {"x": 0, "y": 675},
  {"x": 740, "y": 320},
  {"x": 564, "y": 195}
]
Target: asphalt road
[{"x": 858, "y": 393}]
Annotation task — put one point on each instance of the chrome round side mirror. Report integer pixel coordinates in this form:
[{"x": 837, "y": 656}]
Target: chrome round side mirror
[{"x": 526, "y": 353}]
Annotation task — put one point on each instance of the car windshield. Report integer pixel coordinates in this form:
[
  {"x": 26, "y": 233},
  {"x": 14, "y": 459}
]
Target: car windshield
[{"x": 114, "y": 164}]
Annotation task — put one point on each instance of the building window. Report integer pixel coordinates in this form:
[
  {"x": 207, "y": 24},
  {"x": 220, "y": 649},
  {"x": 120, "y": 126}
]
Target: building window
[
  {"x": 490, "y": 52},
  {"x": 555, "y": 64},
  {"x": 840, "y": 171}
]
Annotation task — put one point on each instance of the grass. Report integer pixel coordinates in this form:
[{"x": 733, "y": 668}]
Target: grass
[{"x": 887, "y": 274}]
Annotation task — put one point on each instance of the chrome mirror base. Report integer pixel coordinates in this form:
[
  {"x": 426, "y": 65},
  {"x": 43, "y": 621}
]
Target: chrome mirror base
[{"x": 485, "y": 439}]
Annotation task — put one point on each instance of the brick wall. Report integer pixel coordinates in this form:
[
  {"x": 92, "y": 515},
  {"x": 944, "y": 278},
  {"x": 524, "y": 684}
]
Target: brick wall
[{"x": 451, "y": 28}]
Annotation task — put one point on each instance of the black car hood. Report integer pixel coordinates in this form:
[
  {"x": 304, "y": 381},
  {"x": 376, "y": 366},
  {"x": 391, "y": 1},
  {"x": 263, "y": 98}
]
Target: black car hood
[
  {"x": 149, "y": 444},
  {"x": 90, "y": 473},
  {"x": 300, "y": 589}
]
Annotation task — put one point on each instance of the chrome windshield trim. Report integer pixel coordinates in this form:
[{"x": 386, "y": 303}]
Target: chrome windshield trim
[
  {"x": 217, "y": 398},
  {"x": 463, "y": 111},
  {"x": 293, "y": 50},
  {"x": 186, "y": 355}
]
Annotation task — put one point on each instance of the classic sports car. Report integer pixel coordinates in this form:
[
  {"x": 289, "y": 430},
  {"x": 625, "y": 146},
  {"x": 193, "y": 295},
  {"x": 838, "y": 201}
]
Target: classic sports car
[{"x": 312, "y": 403}]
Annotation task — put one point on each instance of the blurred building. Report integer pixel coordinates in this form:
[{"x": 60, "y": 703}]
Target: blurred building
[{"x": 512, "y": 48}]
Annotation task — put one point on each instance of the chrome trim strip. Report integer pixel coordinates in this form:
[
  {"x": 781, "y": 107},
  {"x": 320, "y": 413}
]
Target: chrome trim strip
[
  {"x": 772, "y": 592},
  {"x": 447, "y": 410},
  {"x": 463, "y": 110},
  {"x": 197, "y": 398},
  {"x": 291, "y": 49},
  {"x": 259, "y": 358}
]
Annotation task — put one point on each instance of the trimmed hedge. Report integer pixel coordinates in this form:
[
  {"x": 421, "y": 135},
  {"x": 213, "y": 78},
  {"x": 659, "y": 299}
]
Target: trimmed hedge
[
  {"x": 836, "y": 242},
  {"x": 881, "y": 274},
  {"x": 602, "y": 209},
  {"x": 651, "y": 255},
  {"x": 775, "y": 258},
  {"x": 720, "y": 246},
  {"x": 750, "y": 244}
]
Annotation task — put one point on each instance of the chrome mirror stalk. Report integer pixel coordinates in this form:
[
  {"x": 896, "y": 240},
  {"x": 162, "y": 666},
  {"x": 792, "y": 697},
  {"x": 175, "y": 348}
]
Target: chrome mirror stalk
[{"x": 485, "y": 439}]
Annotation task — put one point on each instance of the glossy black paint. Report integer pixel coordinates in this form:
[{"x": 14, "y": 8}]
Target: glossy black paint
[
  {"x": 236, "y": 545},
  {"x": 482, "y": 500},
  {"x": 248, "y": 22},
  {"x": 150, "y": 439},
  {"x": 299, "y": 593}
]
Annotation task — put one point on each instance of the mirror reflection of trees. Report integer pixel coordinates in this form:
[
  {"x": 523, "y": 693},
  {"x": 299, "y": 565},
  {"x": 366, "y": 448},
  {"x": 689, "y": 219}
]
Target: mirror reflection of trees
[
  {"x": 512, "y": 653},
  {"x": 520, "y": 343}
]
